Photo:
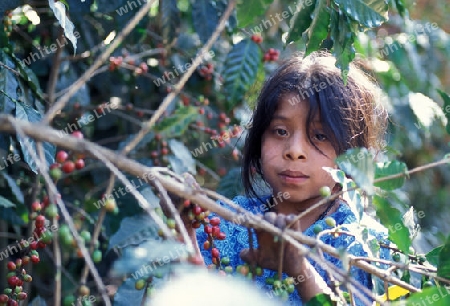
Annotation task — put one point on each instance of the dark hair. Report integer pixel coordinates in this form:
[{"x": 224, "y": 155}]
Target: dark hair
[{"x": 351, "y": 114}]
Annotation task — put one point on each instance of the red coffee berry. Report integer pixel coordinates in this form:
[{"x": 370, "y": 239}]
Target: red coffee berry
[
  {"x": 257, "y": 38},
  {"x": 221, "y": 236},
  {"x": 206, "y": 245},
  {"x": 164, "y": 151},
  {"x": 41, "y": 245},
  {"x": 12, "y": 281},
  {"x": 208, "y": 229},
  {"x": 79, "y": 164},
  {"x": 25, "y": 260},
  {"x": 78, "y": 134},
  {"x": 196, "y": 224},
  {"x": 61, "y": 156},
  {"x": 187, "y": 203},
  {"x": 36, "y": 206},
  {"x": 18, "y": 262},
  {"x": 35, "y": 259},
  {"x": 40, "y": 221},
  {"x": 68, "y": 166},
  {"x": 214, "y": 221},
  {"x": 197, "y": 210},
  {"x": 3, "y": 298},
  {"x": 201, "y": 111},
  {"x": 215, "y": 253},
  {"x": 12, "y": 303},
  {"x": 215, "y": 231},
  {"x": 33, "y": 245},
  {"x": 22, "y": 296},
  {"x": 11, "y": 266}
]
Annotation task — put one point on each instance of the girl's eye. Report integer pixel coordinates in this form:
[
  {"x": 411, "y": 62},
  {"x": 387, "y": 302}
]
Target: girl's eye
[
  {"x": 320, "y": 137},
  {"x": 281, "y": 132}
]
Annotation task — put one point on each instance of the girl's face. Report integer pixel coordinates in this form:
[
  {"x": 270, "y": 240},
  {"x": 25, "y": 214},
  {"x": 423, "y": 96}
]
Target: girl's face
[{"x": 289, "y": 162}]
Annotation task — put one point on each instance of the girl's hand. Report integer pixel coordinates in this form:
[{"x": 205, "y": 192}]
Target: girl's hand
[
  {"x": 307, "y": 280},
  {"x": 268, "y": 253}
]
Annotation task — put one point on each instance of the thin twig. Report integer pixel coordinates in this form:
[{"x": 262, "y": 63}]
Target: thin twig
[
  {"x": 168, "y": 202},
  {"x": 177, "y": 88},
  {"x": 55, "y": 241},
  {"x": 54, "y": 72},
  {"x": 53, "y": 190},
  {"x": 59, "y": 105}
]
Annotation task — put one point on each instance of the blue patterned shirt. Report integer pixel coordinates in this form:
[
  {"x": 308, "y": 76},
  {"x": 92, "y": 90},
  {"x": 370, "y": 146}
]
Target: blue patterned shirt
[{"x": 237, "y": 240}]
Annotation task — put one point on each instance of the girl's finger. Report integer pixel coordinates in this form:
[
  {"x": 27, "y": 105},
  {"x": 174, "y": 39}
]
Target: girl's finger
[
  {"x": 280, "y": 221},
  {"x": 248, "y": 256},
  {"x": 270, "y": 217}
]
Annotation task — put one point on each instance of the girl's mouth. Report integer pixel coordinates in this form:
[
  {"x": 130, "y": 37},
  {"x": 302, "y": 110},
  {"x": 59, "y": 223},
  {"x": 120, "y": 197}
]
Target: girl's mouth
[{"x": 293, "y": 177}]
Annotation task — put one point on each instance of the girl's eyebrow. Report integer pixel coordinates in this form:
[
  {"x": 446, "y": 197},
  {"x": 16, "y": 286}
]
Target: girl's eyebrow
[{"x": 280, "y": 117}]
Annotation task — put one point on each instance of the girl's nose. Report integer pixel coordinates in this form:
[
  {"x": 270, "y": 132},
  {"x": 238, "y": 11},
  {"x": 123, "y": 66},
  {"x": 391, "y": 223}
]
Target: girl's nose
[{"x": 296, "y": 147}]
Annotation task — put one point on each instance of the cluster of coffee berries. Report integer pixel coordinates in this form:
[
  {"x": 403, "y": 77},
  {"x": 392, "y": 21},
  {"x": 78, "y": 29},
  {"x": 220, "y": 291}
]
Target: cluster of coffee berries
[
  {"x": 116, "y": 62},
  {"x": 69, "y": 242},
  {"x": 271, "y": 55},
  {"x": 281, "y": 287},
  {"x": 17, "y": 275},
  {"x": 7, "y": 23},
  {"x": 65, "y": 164},
  {"x": 39, "y": 209},
  {"x": 257, "y": 38},
  {"x": 211, "y": 226},
  {"x": 159, "y": 154},
  {"x": 329, "y": 221},
  {"x": 206, "y": 71}
]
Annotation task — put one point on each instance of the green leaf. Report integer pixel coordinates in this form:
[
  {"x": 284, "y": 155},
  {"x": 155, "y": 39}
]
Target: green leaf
[
  {"x": 6, "y": 5},
  {"x": 157, "y": 253},
  {"x": 127, "y": 294},
  {"x": 5, "y": 203},
  {"x": 369, "y": 13},
  {"x": 170, "y": 20},
  {"x": 391, "y": 218},
  {"x": 443, "y": 266},
  {"x": 241, "y": 67},
  {"x": 436, "y": 296},
  {"x": 351, "y": 196},
  {"x": 221, "y": 6},
  {"x": 59, "y": 9},
  {"x": 300, "y": 22},
  {"x": 358, "y": 163},
  {"x": 15, "y": 190},
  {"x": 205, "y": 19},
  {"x": 343, "y": 36},
  {"x": 182, "y": 153},
  {"x": 230, "y": 185},
  {"x": 318, "y": 30},
  {"x": 25, "y": 112},
  {"x": 38, "y": 301},
  {"x": 177, "y": 124},
  {"x": 446, "y": 108},
  {"x": 387, "y": 169},
  {"x": 134, "y": 231},
  {"x": 320, "y": 300},
  {"x": 400, "y": 5},
  {"x": 433, "y": 255},
  {"x": 248, "y": 10}
]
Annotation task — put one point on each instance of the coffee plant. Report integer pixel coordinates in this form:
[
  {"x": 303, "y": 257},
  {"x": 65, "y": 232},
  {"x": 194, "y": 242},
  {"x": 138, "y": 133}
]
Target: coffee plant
[{"x": 121, "y": 121}]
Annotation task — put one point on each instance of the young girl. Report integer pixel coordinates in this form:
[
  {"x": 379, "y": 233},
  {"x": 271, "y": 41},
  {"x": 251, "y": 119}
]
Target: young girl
[{"x": 304, "y": 118}]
